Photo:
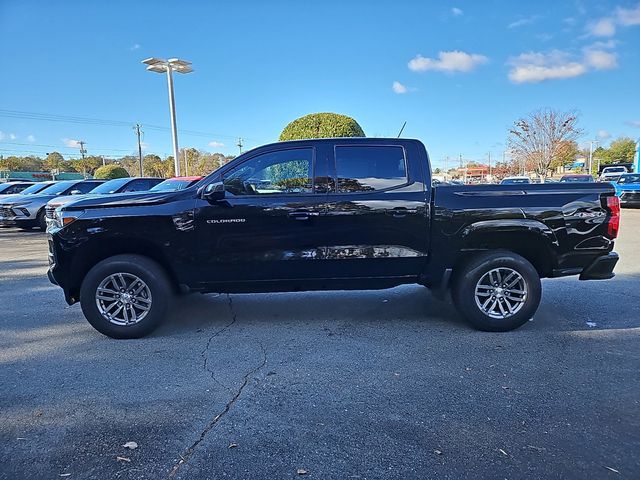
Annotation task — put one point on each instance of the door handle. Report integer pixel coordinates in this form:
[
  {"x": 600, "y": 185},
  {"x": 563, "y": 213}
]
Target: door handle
[
  {"x": 399, "y": 212},
  {"x": 303, "y": 214}
]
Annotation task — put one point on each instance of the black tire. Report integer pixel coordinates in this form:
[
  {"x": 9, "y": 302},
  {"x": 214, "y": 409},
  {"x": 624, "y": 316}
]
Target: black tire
[
  {"x": 149, "y": 272},
  {"x": 466, "y": 280},
  {"x": 41, "y": 221}
]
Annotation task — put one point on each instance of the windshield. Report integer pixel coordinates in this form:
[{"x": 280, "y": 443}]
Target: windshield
[
  {"x": 508, "y": 181},
  {"x": 630, "y": 178},
  {"x": 614, "y": 170},
  {"x": 172, "y": 184},
  {"x": 57, "y": 188},
  {"x": 577, "y": 179},
  {"x": 34, "y": 188},
  {"x": 111, "y": 186}
]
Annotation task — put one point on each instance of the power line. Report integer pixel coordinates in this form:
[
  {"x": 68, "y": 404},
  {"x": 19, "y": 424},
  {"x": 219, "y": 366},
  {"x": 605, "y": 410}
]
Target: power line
[{"x": 102, "y": 122}]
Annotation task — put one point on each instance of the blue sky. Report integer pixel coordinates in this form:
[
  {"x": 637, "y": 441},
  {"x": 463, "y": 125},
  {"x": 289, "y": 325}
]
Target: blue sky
[{"x": 459, "y": 73}]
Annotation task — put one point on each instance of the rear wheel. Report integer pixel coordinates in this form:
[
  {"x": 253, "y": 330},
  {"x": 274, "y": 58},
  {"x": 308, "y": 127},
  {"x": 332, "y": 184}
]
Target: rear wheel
[
  {"x": 125, "y": 296},
  {"x": 497, "y": 291}
]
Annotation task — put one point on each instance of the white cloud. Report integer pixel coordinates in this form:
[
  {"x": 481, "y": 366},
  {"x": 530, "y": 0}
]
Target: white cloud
[
  {"x": 135, "y": 46},
  {"x": 71, "y": 143},
  {"x": 5, "y": 136},
  {"x": 523, "y": 21},
  {"x": 600, "y": 60},
  {"x": 603, "y": 135},
  {"x": 399, "y": 88},
  {"x": 31, "y": 138},
  {"x": 628, "y": 17},
  {"x": 456, "y": 12},
  {"x": 2, "y": 136},
  {"x": 534, "y": 67},
  {"x": 634, "y": 123},
  {"x": 12, "y": 136},
  {"x": 605, "y": 27},
  {"x": 215, "y": 144},
  {"x": 453, "y": 61}
]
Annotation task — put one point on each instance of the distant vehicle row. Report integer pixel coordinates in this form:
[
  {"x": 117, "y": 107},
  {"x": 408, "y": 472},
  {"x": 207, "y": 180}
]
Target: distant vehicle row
[{"x": 27, "y": 208}]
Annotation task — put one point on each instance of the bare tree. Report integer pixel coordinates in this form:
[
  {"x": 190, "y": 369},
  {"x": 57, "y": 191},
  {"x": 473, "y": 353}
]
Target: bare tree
[{"x": 538, "y": 138}]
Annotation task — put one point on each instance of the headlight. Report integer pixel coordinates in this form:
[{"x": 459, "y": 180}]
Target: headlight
[{"x": 61, "y": 218}]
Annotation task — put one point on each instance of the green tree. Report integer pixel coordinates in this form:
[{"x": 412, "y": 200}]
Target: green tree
[
  {"x": 566, "y": 154},
  {"x": 622, "y": 149},
  {"x": 12, "y": 164},
  {"x": 54, "y": 161},
  {"x": 109, "y": 172},
  {"x": 86, "y": 166},
  {"x": 321, "y": 125}
]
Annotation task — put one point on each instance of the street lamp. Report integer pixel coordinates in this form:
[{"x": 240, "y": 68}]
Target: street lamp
[{"x": 159, "y": 65}]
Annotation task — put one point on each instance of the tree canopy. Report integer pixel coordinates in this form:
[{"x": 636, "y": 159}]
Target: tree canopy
[
  {"x": 541, "y": 137},
  {"x": 321, "y": 125},
  {"x": 109, "y": 172}
]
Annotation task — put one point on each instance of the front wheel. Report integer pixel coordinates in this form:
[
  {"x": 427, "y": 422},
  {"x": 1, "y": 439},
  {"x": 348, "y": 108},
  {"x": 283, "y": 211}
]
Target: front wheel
[
  {"x": 125, "y": 296},
  {"x": 497, "y": 291}
]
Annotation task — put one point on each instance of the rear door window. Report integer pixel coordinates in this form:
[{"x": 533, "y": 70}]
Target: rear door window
[
  {"x": 369, "y": 168},
  {"x": 85, "y": 187}
]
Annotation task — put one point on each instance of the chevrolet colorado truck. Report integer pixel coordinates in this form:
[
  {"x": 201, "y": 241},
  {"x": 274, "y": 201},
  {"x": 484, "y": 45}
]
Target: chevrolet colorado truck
[{"x": 330, "y": 214}]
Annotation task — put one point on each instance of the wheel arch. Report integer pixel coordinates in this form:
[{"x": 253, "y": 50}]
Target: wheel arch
[
  {"x": 531, "y": 239},
  {"x": 93, "y": 252}
]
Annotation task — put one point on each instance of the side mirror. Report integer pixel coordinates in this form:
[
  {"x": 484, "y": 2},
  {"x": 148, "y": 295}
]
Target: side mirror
[
  {"x": 214, "y": 192},
  {"x": 75, "y": 192}
]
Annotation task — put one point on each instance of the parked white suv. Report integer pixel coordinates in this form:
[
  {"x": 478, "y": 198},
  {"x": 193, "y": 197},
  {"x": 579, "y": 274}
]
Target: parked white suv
[{"x": 611, "y": 174}]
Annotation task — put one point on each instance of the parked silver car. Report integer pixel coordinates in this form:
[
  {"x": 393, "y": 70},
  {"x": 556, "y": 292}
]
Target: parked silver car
[{"x": 27, "y": 211}]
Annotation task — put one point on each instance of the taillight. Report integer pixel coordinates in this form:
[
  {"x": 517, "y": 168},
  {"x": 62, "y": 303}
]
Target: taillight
[{"x": 613, "y": 204}]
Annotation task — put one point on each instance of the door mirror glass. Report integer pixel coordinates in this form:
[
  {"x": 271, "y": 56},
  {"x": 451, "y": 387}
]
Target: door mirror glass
[{"x": 214, "y": 191}]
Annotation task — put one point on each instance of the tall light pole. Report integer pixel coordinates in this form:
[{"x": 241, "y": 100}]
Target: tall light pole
[{"x": 159, "y": 65}]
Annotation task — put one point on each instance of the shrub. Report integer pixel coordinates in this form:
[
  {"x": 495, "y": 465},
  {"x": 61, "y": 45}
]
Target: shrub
[
  {"x": 321, "y": 125},
  {"x": 109, "y": 172}
]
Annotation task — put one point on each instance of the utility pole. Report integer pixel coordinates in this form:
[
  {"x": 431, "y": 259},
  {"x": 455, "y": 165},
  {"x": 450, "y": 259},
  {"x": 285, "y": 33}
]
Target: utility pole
[
  {"x": 240, "y": 144},
  {"x": 138, "y": 133},
  {"x": 490, "y": 166},
  {"x": 460, "y": 160},
  {"x": 186, "y": 164},
  {"x": 591, "y": 142},
  {"x": 82, "y": 152}
]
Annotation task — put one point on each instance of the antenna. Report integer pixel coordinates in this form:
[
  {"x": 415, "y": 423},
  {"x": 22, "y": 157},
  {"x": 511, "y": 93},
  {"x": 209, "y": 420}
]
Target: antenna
[{"x": 402, "y": 129}]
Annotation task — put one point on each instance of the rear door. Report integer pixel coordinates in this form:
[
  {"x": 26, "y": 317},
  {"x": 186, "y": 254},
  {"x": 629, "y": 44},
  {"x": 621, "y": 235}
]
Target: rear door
[{"x": 378, "y": 214}]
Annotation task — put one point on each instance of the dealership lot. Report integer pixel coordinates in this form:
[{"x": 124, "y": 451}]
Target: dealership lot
[{"x": 382, "y": 384}]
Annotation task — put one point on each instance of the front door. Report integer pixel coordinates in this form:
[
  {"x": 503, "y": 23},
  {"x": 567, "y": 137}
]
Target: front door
[{"x": 269, "y": 227}]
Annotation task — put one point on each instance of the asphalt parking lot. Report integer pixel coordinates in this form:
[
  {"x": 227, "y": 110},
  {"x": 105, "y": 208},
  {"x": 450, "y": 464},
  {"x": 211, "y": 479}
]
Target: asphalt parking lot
[{"x": 363, "y": 385}]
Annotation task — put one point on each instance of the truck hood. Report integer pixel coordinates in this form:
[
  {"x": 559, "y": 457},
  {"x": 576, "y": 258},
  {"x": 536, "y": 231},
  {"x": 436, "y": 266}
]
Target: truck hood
[
  {"x": 26, "y": 199},
  {"x": 627, "y": 186},
  {"x": 129, "y": 199}
]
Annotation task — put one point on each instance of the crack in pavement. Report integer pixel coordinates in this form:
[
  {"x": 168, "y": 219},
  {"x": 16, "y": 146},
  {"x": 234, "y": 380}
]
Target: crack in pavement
[
  {"x": 205, "y": 352},
  {"x": 184, "y": 457}
]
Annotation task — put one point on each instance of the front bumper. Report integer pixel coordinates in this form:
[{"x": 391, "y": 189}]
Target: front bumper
[{"x": 601, "y": 268}]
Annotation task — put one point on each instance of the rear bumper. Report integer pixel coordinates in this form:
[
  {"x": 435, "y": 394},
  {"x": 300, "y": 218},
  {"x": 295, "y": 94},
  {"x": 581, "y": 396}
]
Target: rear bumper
[
  {"x": 601, "y": 268},
  {"x": 630, "y": 198}
]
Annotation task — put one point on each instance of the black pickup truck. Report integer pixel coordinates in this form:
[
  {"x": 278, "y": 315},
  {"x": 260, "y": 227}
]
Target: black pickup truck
[{"x": 356, "y": 213}]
